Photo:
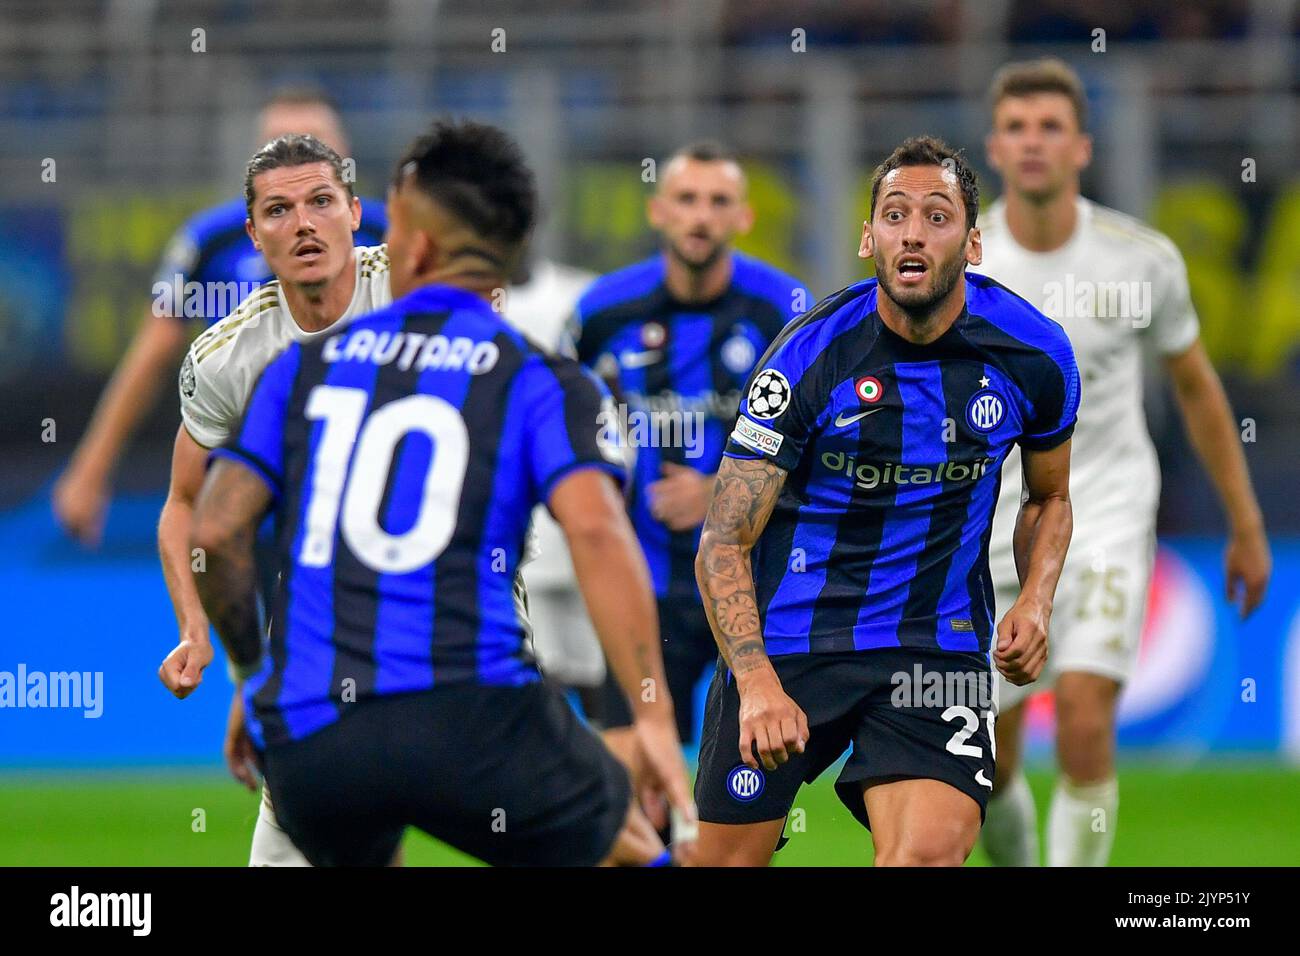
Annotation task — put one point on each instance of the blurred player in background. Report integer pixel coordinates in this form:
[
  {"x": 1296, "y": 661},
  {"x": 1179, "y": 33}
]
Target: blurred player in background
[
  {"x": 407, "y": 696},
  {"x": 1120, "y": 290},
  {"x": 302, "y": 218},
  {"x": 678, "y": 335},
  {"x": 212, "y": 249},
  {"x": 541, "y": 299},
  {"x": 867, "y": 451}
]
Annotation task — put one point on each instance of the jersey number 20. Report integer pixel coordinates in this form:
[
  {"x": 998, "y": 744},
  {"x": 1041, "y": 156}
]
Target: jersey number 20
[{"x": 343, "y": 410}]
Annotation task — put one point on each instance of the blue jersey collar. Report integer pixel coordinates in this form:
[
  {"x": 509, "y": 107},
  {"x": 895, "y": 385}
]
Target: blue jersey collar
[{"x": 439, "y": 297}]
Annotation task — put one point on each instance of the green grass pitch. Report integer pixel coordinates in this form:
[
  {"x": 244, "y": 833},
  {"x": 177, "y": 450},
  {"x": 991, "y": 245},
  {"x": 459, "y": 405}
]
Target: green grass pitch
[{"x": 1218, "y": 815}]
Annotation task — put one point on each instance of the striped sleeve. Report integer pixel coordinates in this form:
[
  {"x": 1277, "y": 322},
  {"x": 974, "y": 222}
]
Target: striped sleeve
[
  {"x": 571, "y": 423},
  {"x": 1056, "y": 404},
  {"x": 782, "y": 401}
]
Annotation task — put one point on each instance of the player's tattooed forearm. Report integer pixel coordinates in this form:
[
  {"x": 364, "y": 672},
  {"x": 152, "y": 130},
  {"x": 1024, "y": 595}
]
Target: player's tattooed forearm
[
  {"x": 228, "y": 509},
  {"x": 743, "y": 496},
  {"x": 228, "y": 592},
  {"x": 747, "y": 656},
  {"x": 737, "y": 615}
]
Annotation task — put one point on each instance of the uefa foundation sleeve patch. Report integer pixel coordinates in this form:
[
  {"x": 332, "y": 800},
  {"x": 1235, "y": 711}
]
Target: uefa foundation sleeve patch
[{"x": 752, "y": 435}]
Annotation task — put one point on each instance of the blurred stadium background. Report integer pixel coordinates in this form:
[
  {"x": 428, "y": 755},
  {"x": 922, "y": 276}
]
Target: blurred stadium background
[{"x": 145, "y": 128}]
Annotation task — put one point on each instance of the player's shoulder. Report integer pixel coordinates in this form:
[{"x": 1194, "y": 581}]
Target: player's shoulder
[
  {"x": 215, "y": 345},
  {"x": 373, "y": 261},
  {"x": 830, "y": 318},
  {"x": 569, "y": 277},
  {"x": 621, "y": 286},
  {"x": 990, "y": 303},
  {"x": 763, "y": 280},
  {"x": 1119, "y": 230},
  {"x": 825, "y": 333},
  {"x": 217, "y": 223},
  {"x": 374, "y": 218},
  {"x": 440, "y": 310}
]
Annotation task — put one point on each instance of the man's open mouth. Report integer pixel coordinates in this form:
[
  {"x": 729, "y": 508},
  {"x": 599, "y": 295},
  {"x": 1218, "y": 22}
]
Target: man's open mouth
[{"x": 912, "y": 269}]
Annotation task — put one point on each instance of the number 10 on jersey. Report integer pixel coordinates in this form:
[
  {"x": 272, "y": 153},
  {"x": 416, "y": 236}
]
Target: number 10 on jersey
[{"x": 350, "y": 471}]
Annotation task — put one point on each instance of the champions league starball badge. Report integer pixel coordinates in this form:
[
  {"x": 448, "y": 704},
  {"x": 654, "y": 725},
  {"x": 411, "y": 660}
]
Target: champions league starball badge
[{"x": 769, "y": 396}]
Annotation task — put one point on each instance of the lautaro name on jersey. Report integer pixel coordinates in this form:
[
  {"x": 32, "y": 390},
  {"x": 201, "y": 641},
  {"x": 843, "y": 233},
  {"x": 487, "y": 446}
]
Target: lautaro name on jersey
[
  {"x": 405, "y": 455},
  {"x": 894, "y": 450}
]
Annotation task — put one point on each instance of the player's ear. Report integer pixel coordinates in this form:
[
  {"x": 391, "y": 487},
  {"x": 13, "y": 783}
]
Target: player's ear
[
  {"x": 1083, "y": 158},
  {"x": 974, "y": 247},
  {"x": 745, "y": 220},
  {"x": 654, "y": 211},
  {"x": 424, "y": 253},
  {"x": 991, "y": 151},
  {"x": 866, "y": 249},
  {"x": 252, "y": 233}
]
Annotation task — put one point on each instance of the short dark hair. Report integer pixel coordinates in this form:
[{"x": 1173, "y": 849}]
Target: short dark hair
[
  {"x": 300, "y": 94},
  {"x": 478, "y": 174},
  {"x": 706, "y": 151},
  {"x": 293, "y": 149},
  {"x": 1047, "y": 75},
  {"x": 929, "y": 151}
]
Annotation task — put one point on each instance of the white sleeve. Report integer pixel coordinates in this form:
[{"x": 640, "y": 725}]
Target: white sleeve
[
  {"x": 207, "y": 408},
  {"x": 1174, "y": 325}
]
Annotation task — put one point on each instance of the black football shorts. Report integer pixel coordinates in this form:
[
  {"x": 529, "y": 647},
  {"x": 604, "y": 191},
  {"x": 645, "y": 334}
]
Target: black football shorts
[
  {"x": 505, "y": 774},
  {"x": 901, "y": 712}
]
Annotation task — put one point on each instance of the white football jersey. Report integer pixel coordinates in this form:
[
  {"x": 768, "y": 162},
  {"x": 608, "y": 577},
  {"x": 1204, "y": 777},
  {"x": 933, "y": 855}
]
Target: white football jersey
[
  {"x": 1119, "y": 289},
  {"x": 541, "y": 308},
  {"x": 224, "y": 362}
]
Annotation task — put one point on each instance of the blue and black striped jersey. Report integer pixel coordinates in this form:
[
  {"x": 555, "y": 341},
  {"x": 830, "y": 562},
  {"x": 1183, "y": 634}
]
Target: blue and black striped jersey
[
  {"x": 680, "y": 370},
  {"x": 405, "y": 455},
  {"x": 213, "y": 247},
  {"x": 894, "y": 454}
]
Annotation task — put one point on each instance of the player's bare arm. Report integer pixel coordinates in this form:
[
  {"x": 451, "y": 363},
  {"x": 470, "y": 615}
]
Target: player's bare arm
[
  {"x": 1042, "y": 537},
  {"x": 1213, "y": 431},
  {"x": 82, "y": 492},
  {"x": 616, "y": 588},
  {"x": 182, "y": 670},
  {"x": 743, "y": 498},
  {"x": 230, "y": 505}
]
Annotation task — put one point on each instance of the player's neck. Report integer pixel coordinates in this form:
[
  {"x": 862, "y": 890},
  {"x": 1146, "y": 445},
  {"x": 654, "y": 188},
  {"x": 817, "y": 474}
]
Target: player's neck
[
  {"x": 316, "y": 307},
  {"x": 689, "y": 285},
  {"x": 469, "y": 274},
  {"x": 922, "y": 329},
  {"x": 1042, "y": 226}
]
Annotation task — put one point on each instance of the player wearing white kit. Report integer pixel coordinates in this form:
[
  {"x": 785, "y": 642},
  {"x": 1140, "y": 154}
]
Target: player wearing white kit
[
  {"x": 1119, "y": 288},
  {"x": 540, "y": 304},
  {"x": 301, "y": 217}
]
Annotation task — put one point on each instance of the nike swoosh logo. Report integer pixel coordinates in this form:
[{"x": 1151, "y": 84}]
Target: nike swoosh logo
[
  {"x": 630, "y": 359},
  {"x": 982, "y": 780},
  {"x": 841, "y": 419}
]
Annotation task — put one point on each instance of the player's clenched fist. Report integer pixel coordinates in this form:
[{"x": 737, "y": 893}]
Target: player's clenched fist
[
  {"x": 182, "y": 669},
  {"x": 1021, "y": 650},
  {"x": 770, "y": 721}
]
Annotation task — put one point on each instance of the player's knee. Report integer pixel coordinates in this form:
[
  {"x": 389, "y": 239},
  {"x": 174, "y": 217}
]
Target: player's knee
[
  {"x": 931, "y": 844},
  {"x": 1086, "y": 758},
  {"x": 926, "y": 851},
  {"x": 726, "y": 845},
  {"x": 734, "y": 856},
  {"x": 1085, "y": 736}
]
